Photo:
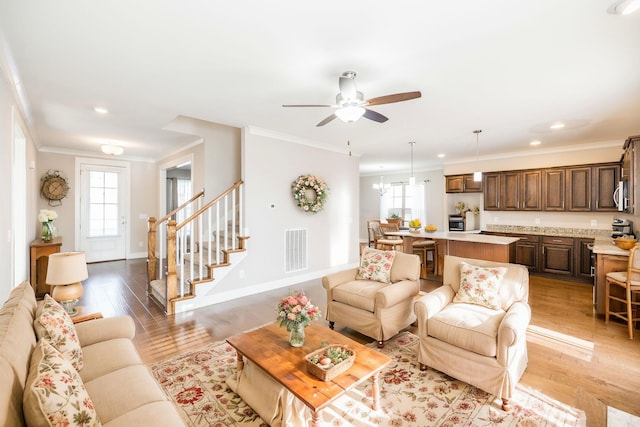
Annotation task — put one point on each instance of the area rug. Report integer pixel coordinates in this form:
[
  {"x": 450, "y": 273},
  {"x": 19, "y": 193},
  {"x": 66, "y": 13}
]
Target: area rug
[{"x": 195, "y": 382}]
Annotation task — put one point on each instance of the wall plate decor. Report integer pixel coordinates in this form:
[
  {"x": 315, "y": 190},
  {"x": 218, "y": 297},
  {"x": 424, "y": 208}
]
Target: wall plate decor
[
  {"x": 310, "y": 193},
  {"x": 55, "y": 187}
]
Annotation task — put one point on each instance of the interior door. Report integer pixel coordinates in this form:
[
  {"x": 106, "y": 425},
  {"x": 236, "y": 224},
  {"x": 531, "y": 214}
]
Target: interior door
[{"x": 103, "y": 211}]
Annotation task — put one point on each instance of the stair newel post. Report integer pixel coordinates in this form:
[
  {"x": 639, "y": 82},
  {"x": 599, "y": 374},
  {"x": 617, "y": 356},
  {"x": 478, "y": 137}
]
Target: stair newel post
[
  {"x": 172, "y": 278},
  {"x": 151, "y": 252}
]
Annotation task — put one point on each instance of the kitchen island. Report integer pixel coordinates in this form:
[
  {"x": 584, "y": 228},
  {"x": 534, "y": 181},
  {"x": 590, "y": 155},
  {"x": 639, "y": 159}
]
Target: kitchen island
[
  {"x": 463, "y": 244},
  {"x": 609, "y": 258}
]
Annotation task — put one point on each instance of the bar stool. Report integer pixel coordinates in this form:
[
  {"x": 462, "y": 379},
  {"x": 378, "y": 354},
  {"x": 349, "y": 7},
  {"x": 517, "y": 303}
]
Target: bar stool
[
  {"x": 629, "y": 281},
  {"x": 422, "y": 248}
]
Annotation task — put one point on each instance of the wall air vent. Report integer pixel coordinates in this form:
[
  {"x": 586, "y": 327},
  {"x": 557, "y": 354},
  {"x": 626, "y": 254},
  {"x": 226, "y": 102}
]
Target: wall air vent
[{"x": 295, "y": 250}]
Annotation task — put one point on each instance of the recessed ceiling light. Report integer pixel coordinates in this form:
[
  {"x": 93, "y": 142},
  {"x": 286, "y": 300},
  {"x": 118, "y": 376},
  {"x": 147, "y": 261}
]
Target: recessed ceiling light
[
  {"x": 100, "y": 110},
  {"x": 441, "y": 155},
  {"x": 624, "y": 7},
  {"x": 535, "y": 142},
  {"x": 557, "y": 125}
]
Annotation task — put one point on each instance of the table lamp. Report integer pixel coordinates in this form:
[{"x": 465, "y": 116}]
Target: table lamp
[{"x": 65, "y": 272}]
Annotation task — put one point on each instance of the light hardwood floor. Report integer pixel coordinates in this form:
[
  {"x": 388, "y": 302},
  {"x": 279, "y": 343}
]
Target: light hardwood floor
[{"x": 574, "y": 356}]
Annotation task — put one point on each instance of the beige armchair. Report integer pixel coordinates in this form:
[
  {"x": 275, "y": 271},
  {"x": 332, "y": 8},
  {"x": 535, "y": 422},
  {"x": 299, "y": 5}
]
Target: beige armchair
[
  {"x": 482, "y": 346},
  {"x": 375, "y": 309}
]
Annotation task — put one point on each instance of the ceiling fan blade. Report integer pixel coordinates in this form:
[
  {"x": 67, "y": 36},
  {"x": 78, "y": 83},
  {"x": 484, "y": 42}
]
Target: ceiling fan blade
[
  {"x": 327, "y": 120},
  {"x": 396, "y": 97},
  {"x": 375, "y": 116},
  {"x": 306, "y": 105},
  {"x": 348, "y": 86}
]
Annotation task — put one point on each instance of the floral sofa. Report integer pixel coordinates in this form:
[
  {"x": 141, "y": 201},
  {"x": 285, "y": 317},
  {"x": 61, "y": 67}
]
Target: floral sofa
[{"x": 53, "y": 372}]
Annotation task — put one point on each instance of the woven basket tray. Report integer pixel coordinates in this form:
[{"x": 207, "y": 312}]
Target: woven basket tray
[{"x": 334, "y": 370}]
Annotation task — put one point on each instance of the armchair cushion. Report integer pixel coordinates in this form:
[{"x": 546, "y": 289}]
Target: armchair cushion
[
  {"x": 358, "y": 293},
  {"x": 376, "y": 265},
  {"x": 480, "y": 285},
  {"x": 468, "y": 326}
]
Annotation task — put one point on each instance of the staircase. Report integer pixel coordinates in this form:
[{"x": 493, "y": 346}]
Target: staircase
[{"x": 183, "y": 255}]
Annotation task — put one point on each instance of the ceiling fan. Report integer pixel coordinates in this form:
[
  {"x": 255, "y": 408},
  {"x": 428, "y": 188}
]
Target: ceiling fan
[{"x": 351, "y": 105}]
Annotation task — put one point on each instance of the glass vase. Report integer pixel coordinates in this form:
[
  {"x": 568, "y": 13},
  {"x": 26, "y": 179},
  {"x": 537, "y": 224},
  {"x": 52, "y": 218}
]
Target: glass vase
[
  {"x": 48, "y": 232},
  {"x": 296, "y": 336}
]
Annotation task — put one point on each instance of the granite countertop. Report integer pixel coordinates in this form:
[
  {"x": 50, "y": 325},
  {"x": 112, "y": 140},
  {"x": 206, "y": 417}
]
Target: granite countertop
[
  {"x": 461, "y": 236},
  {"x": 606, "y": 246},
  {"x": 588, "y": 233}
]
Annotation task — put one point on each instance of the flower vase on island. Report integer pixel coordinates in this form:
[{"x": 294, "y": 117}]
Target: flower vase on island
[{"x": 296, "y": 312}]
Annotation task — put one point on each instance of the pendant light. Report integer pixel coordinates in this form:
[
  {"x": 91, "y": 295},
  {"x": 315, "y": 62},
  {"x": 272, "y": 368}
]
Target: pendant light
[
  {"x": 412, "y": 179},
  {"x": 477, "y": 175}
]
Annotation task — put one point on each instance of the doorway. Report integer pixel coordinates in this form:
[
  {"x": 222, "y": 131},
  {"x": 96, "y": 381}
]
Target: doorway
[{"x": 103, "y": 209}]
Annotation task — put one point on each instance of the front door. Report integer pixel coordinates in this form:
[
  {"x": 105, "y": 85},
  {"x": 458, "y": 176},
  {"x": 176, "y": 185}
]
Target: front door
[{"x": 103, "y": 208}]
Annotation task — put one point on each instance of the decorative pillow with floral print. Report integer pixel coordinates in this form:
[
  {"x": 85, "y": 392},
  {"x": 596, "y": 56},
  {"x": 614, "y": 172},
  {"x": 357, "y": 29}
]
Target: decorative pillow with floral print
[
  {"x": 54, "y": 325},
  {"x": 376, "y": 265},
  {"x": 54, "y": 394},
  {"x": 480, "y": 285}
]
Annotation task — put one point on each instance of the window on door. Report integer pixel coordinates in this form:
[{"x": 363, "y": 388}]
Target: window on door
[{"x": 103, "y": 204}]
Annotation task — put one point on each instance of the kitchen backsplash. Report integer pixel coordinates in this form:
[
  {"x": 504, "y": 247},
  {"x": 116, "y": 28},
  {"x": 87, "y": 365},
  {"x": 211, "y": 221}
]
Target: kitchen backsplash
[{"x": 549, "y": 231}]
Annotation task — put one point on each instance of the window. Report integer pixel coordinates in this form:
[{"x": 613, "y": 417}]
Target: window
[
  {"x": 103, "y": 203},
  {"x": 405, "y": 201}
]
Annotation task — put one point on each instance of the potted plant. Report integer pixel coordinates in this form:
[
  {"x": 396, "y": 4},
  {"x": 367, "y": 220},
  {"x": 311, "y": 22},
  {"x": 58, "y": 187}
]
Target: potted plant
[{"x": 395, "y": 219}]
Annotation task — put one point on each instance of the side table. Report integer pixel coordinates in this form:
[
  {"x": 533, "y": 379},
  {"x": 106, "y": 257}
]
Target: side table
[
  {"x": 83, "y": 317},
  {"x": 39, "y": 252}
]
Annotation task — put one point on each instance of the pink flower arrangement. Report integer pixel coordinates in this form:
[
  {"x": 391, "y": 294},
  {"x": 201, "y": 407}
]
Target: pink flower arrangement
[{"x": 296, "y": 309}]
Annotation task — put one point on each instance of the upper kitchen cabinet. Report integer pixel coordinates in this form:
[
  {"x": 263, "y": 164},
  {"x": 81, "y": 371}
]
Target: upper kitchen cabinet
[
  {"x": 519, "y": 190},
  {"x": 605, "y": 179},
  {"x": 462, "y": 184},
  {"x": 584, "y": 188},
  {"x": 579, "y": 189},
  {"x": 553, "y": 189}
]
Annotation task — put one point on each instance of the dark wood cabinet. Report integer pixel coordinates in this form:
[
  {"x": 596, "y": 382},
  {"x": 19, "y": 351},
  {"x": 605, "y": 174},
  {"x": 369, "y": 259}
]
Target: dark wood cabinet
[
  {"x": 520, "y": 191},
  {"x": 605, "y": 180},
  {"x": 553, "y": 189},
  {"x": 557, "y": 255},
  {"x": 583, "y": 253},
  {"x": 579, "y": 189},
  {"x": 530, "y": 190},
  {"x": 462, "y": 184},
  {"x": 491, "y": 184},
  {"x": 585, "y": 188},
  {"x": 527, "y": 251}
]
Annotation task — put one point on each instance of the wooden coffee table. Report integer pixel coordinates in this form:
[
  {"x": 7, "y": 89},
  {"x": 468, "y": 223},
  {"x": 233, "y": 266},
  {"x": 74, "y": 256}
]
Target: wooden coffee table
[{"x": 268, "y": 347}]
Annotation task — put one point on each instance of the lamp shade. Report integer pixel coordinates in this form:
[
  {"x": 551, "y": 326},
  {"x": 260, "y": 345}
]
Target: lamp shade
[{"x": 66, "y": 268}]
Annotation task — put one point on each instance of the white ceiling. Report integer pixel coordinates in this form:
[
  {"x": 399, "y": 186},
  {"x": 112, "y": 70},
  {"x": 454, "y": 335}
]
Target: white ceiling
[{"x": 508, "y": 68}]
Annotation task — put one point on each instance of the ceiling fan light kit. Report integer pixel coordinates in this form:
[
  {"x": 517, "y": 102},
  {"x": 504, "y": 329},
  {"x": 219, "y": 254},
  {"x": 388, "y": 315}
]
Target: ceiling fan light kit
[
  {"x": 350, "y": 113},
  {"x": 351, "y": 105}
]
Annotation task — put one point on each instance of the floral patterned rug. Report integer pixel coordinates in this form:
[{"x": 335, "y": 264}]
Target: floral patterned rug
[{"x": 409, "y": 397}]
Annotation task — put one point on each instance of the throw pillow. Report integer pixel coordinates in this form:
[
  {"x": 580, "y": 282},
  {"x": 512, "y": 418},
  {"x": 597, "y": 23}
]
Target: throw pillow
[
  {"x": 54, "y": 325},
  {"x": 376, "y": 265},
  {"x": 480, "y": 285},
  {"x": 54, "y": 394}
]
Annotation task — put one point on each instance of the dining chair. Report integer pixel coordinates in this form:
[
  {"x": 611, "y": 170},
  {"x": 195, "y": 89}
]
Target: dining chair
[
  {"x": 629, "y": 281},
  {"x": 380, "y": 241}
]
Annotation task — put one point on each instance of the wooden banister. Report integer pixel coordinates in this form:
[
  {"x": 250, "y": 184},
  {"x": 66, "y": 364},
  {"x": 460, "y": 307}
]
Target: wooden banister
[{"x": 208, "y": 205}]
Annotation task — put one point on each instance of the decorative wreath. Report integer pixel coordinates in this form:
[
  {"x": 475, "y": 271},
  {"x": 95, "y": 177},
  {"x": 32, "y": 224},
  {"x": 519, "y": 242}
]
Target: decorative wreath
[
  {"x": 310, "y": 193},
  {"x": 55, "y": 187}
]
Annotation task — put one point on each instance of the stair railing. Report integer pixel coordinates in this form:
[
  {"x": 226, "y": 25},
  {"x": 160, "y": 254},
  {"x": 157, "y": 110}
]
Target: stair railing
[{"x": 198, "y": 243}]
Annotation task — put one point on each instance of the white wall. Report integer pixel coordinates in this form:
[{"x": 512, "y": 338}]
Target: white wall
[
  {"x": 10, "y": 111},
  {"x": 271, "y": 162}
]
